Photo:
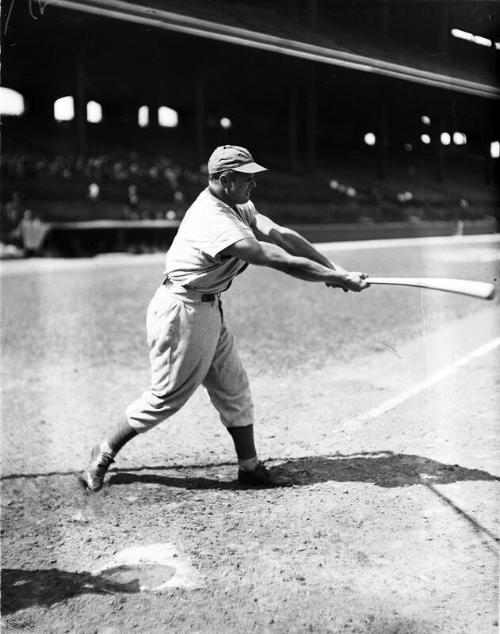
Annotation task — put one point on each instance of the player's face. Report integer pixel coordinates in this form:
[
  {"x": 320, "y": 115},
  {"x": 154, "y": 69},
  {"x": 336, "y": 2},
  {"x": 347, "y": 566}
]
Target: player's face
[{"x": 241, "y": 187}]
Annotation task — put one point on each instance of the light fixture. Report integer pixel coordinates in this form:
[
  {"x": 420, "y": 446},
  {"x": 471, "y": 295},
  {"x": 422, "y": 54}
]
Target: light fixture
[{"x": 370, "y": 138}]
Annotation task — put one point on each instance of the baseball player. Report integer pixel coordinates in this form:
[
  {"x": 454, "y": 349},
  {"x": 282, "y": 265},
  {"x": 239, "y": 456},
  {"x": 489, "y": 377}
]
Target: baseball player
[{"x": 189, "y": 342}]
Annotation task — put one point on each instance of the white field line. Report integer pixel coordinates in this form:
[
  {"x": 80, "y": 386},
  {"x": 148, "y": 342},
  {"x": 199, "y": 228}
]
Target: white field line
[
  {"x": 423, "y": 385},
  {"x": 389, "y": 243},
  {"x": 468, "y": 255},
  {"x": 99, "y": 262},
  {"x": 489, "y": 257}
]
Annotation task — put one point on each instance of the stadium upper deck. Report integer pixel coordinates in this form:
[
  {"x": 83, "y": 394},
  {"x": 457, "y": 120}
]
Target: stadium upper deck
[
  {"x": 301, "y": 81},
  {"x": 408, "y": 39}
]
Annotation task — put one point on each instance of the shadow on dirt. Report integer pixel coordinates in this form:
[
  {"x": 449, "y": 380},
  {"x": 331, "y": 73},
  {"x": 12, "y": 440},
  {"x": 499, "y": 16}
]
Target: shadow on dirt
[
  {"x": 384, "y": 468},
  {"x": 130, "y": 476},
  {"x": 26, "y": 588}
]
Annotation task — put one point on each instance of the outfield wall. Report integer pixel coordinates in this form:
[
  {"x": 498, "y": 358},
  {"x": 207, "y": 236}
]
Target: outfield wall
[
  {"x": 387, "y": 230},
  {"x": 79, "y": 239}
]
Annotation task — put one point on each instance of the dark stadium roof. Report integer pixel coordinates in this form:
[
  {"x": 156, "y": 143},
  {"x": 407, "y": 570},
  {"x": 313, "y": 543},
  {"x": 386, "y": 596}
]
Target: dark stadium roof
[
  {"x": 372, "y": 51},
  {"x": 349, "y": 34},
  {"x": 405, "y": 39}
]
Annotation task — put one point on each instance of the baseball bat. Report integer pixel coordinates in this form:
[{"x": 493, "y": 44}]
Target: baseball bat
[{"x": 482, "y": 290}]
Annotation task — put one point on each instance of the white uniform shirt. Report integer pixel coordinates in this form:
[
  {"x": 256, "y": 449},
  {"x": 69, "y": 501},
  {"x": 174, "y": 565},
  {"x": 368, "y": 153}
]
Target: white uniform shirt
[{"x": 209, "y": 226}]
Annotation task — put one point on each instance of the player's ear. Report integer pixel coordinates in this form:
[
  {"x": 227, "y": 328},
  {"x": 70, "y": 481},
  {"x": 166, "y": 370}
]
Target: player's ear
[{"x": 224, "y": 180}]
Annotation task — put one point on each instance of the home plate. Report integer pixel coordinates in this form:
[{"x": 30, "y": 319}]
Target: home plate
[{"x": 153, "y": 568}]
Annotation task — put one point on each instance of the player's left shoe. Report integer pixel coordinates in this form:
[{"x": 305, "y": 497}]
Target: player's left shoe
[{"x": 93, "y": 476}]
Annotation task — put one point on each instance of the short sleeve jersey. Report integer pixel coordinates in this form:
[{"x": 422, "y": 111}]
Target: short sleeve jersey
[{"x": 194, "y": 259}]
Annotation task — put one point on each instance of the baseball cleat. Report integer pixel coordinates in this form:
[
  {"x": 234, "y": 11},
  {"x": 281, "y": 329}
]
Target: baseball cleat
[
  {"x": 93, "y": 475},
  {"x": 261, "y": 477}
]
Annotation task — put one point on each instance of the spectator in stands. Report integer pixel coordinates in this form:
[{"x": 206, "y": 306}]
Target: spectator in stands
[
  {"x": 74, "y": 177},
  {"x": 20, "y": 167},
  {"x": 29, "y": 231},
  {"x": 132, "y": 211},
  {"x": 93, "y": 192},
  {"x": 120, "y": 172},
  {"x": 153, "y": 173},
  {"x": 13, "y": 210}
]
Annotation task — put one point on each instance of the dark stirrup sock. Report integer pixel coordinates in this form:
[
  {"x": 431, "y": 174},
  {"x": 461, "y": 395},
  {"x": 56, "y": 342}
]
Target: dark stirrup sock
[
  {"x": 243, "y": 440},
  {"x": 121, "y": 434}
]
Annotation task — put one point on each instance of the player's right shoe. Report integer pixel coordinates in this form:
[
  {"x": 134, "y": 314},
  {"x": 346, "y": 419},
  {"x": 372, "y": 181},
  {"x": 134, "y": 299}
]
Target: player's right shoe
[
  {"x": 260, "y": 477},
  {"x": 93, "y": 475}
]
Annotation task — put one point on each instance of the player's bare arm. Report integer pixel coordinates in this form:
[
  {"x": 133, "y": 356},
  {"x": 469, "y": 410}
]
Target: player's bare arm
[
  {"x": 274, "y": 256},
  {"x": 291, "y": 241}
]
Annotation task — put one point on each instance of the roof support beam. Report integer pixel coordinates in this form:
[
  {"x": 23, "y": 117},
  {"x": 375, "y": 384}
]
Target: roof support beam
[{"x": 152, "y": 16}]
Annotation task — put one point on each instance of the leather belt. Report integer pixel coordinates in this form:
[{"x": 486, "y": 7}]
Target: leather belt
[
  {"x": 203, "y": 297},
  {"x": 208, "y": 297}
]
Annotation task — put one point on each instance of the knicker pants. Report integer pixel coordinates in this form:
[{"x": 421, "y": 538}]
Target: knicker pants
[{"x": 190, "y": 345}]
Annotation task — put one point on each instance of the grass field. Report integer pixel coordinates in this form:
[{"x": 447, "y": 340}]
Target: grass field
[{"x": 391, "y": 523}]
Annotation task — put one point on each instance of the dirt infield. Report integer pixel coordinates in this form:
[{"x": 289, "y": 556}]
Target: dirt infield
[{"x": 391, "y": 525}]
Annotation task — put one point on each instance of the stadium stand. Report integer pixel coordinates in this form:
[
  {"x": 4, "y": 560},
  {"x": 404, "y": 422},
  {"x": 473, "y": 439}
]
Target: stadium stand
[{"x": 303, "y": 116}]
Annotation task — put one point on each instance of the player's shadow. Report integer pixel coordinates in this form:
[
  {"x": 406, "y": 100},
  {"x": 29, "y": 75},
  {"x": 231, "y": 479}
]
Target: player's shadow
[
  {"x": 27, "y": 588},
  {"x": 383, "y": 468}
]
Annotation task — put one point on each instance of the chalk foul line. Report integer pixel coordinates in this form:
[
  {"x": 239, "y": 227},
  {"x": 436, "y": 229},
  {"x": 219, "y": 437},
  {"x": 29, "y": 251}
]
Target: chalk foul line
[
  {"x": 394, "y": 402},
  {"x": 391, "y": 243}
]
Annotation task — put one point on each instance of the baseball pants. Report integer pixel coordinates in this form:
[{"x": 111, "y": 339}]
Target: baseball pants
[{"x": 190, "y": 345}]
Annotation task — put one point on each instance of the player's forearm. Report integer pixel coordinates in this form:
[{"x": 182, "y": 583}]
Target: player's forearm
[
  {"x": 297, "y": 245},
  {"x": 302, "y": 268}
]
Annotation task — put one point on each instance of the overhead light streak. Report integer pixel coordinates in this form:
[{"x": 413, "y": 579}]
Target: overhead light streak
[{"x": 475, "y": 39}]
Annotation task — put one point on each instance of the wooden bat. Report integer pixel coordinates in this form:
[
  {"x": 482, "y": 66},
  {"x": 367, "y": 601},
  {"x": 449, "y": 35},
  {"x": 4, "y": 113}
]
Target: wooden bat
[{"x": 482, "y": 290}]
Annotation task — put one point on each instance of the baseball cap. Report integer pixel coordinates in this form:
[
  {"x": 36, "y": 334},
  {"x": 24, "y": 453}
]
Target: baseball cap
[{"x": 233, "y": 157}]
